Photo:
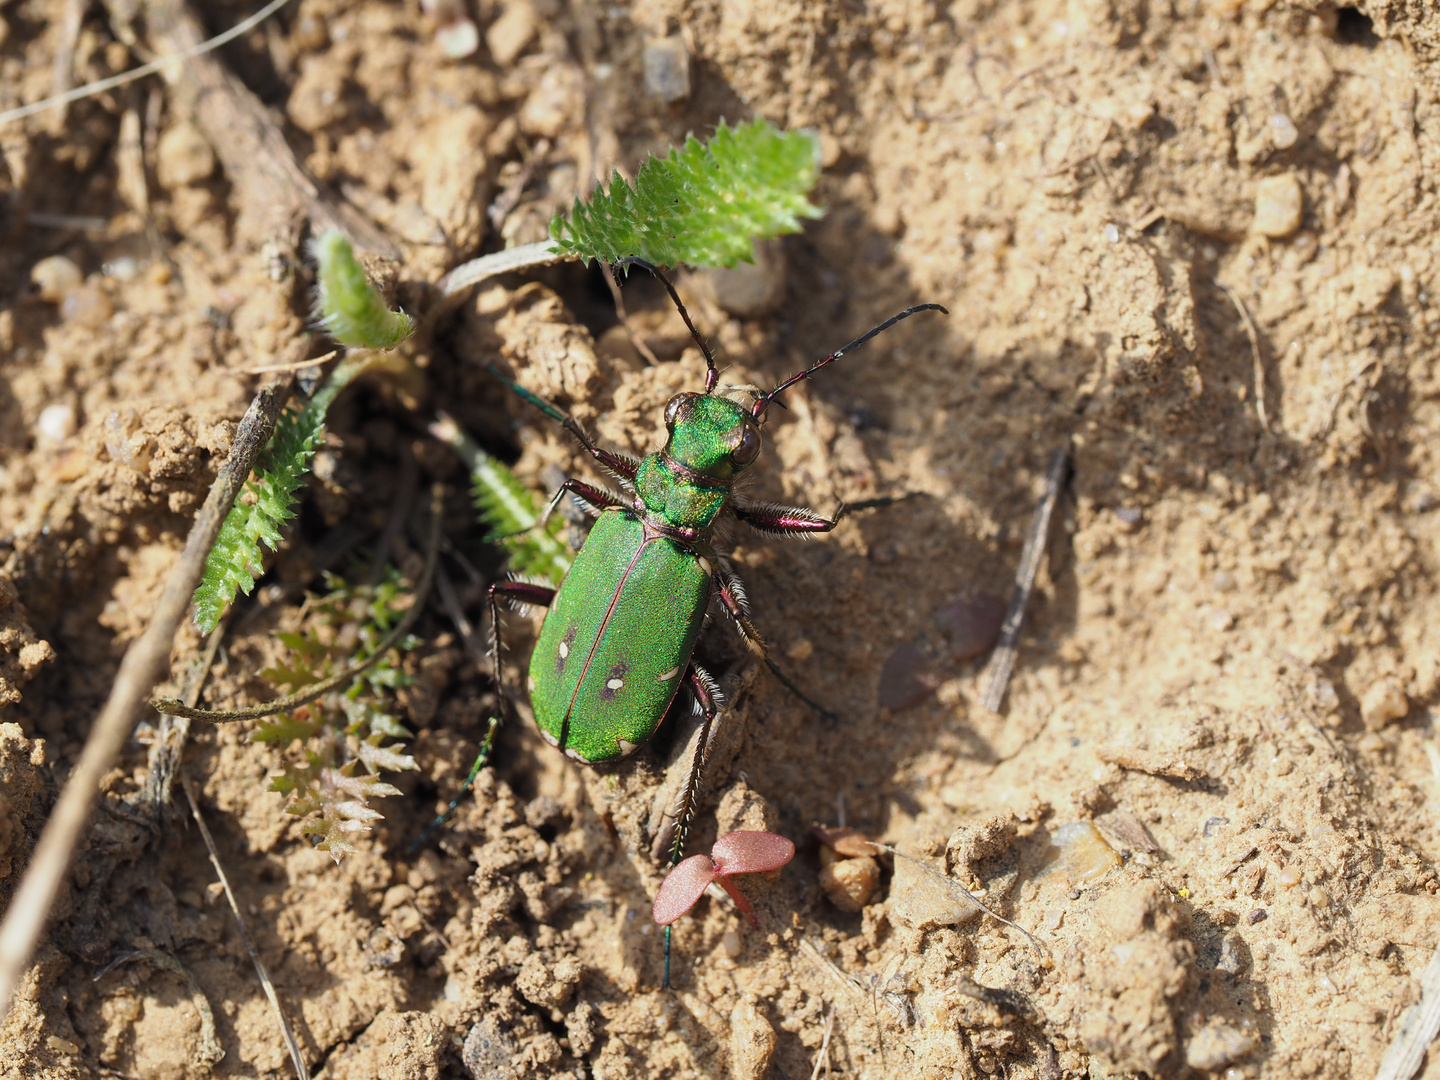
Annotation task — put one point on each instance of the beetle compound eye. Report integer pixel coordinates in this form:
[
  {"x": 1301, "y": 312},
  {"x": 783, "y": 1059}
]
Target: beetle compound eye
[
  {"x": 748, "y": 447},
  {"x": 672, "y": 410}
]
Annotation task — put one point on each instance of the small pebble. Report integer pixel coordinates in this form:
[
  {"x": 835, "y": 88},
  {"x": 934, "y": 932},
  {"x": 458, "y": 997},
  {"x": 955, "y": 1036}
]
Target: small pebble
[
  {"x": 1232, "y": 960},
  {"x": 55, "y": 424},
  {"x": 922, "y": 898},
  {"x": 1283, "y": 132},
  {"x": 749, "y": 290},
  {"x": 667, "y": 69},
  {"x": 752, "y": 1042},
  {"x": 1278, "y": 205},
  {"x": 56, "y": 277},
  {"x": 183, "y": 157},
  {"x": 490, "y": 1053},
  {"x": 884, "y": 555},
  {"x": 125, "y": 268},
  {"x": 87, "y": 306},
  {"x": 1383, "y": 702},
  {"x": 731, "y": 941},
  {"x": 1224, "y": 581},
  {"x": 906, "y": 679},
  {"x": 800, "y": 650},
  {"x": 1288, "y": 877},
  {"x": 1129, "y": 516},
  {"x": 1258, "y": 915},
  {"x": 510, "y": 34},
  {"x": 458, "y": 39},
  {"x": 1084, "y": 854},
  {"x": 850, "y": 884},
  {"x": 1112, "y": 234},
  {"x": 1216, "y": 1045},
  {"x": 123, "y": 445}
]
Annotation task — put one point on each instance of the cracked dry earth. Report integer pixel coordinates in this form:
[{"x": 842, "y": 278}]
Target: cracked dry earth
[{"x": 1193, "y": 241}]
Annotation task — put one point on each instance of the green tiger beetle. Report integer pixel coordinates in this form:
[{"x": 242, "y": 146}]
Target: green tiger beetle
[{"x": 619, "y": 634}]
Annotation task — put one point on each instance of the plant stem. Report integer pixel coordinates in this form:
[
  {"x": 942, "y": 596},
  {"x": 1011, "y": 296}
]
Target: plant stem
[{"x": 542, "y": 253}]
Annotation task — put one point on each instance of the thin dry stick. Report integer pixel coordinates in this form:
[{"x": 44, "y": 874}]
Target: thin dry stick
[
  {"x": 176, "y": 707},
  {"x": 1002, "y": 661},
  {"x": 298, "y": 365},
  {"x": 1259, "y": 363},
  {"x": 144, "y": 664},
  {"x": 822, "y": 1056},
  {"x": 301, "y": 1069},
  {"x": 91, "y": 89}
]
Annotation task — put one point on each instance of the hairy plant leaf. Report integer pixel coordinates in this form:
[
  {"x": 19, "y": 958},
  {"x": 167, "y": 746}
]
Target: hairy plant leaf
[
  {"x": 237, "y": 559},
  {"x": 347, "y": 305},
  {"x": 704, "y": 204}
]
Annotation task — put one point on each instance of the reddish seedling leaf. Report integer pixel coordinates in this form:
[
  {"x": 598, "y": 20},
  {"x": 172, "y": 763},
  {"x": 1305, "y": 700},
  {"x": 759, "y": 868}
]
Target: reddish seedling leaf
[
  {"x": 741, "y": 852},
  {"x": 684, "y": 885},
  {"x": 751, "y": 852}
]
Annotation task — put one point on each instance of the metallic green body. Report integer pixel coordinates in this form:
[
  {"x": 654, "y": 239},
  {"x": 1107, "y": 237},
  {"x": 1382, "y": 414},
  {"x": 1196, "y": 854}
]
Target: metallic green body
[{"x": 616, "y": 642}]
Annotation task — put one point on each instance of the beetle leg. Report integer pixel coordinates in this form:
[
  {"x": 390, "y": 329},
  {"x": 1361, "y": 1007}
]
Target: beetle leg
[
  {"x": 592, "y": 498},
  {"x": 732, "y": 598},
  {"x": 780, "y": 520},
  {"x": 708, "y": 702},
  {"x": 524, "y": 592}
]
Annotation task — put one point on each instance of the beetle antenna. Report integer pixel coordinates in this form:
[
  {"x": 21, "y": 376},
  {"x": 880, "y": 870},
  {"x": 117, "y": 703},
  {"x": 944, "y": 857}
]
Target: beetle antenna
[
  {"x": 712, "y": 373},
  {"x": 763, "y": 401}
]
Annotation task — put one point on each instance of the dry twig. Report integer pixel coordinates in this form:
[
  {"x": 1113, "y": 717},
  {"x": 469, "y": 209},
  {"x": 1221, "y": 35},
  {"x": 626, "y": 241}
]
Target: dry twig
[
  {"x": 1002, "y": 660},
  {"x": 1258, "y": 361},
  {"x": 143, "y": 666}
]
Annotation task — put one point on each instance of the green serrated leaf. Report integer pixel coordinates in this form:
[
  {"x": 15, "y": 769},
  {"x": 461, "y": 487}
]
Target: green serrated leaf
[
  {"x": 237, "y": 558},
  {"x": 703, "y": 205}
]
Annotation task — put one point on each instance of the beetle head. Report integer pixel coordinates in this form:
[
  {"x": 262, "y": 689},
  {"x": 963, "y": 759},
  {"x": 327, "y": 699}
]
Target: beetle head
[{"x": 711, "y": 435}]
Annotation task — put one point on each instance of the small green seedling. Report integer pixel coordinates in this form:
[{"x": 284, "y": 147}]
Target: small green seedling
[{"x": 742, "y": 852}]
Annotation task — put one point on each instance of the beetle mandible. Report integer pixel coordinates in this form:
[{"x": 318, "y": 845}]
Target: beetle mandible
[{"x": 619, "y": 633}]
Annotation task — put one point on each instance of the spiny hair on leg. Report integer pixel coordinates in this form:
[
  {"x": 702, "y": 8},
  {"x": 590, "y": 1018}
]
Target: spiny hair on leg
[
  {"x": 516, "y": 604},
  {"x": 712, "y": 688},
  {"x": 779, "y": 509},
  {"x": 736, "y": 586}
]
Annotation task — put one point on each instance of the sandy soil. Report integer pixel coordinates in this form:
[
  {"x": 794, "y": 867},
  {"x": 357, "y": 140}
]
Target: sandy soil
[{"x": 1211, "y": 794}]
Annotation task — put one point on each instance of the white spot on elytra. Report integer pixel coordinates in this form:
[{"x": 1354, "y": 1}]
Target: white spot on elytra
[
  {"x": 575, "y": 755},
  {"x": 705, "y": 564},
  {"x": 669, "y": 674},
  {"x": 564, "y": 650},
  {"x": 615, "y": 684},
  {"x": 530, "y": 682},
  {"x": 625, "y": 747},
  {"x": 551, "y": 739}
]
